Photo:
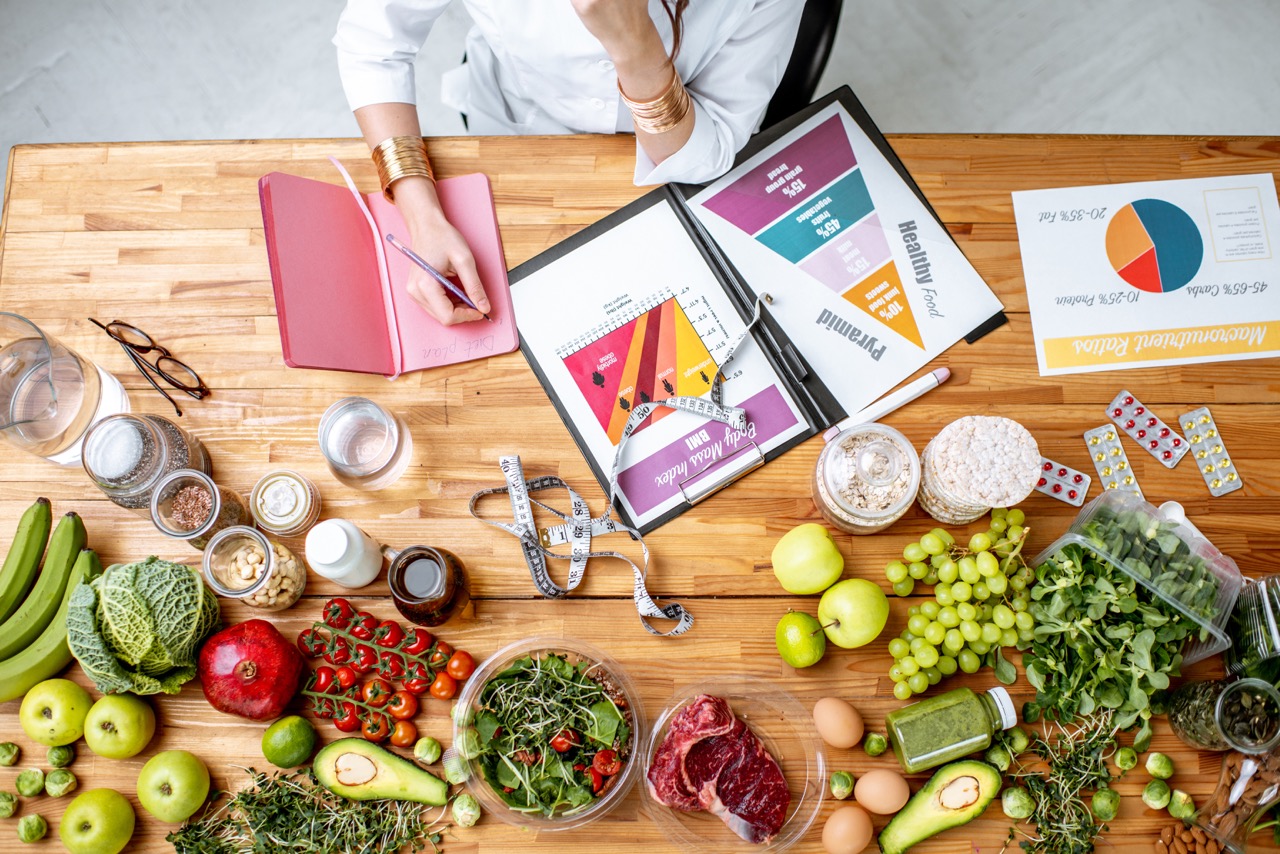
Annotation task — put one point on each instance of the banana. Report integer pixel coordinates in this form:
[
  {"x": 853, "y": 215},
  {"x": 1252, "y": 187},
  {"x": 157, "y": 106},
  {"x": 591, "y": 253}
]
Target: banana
[
  {"x": 26, "y": 624},
  {"x": 49, "y": 653},
  {"x": 23, "y": 560}
]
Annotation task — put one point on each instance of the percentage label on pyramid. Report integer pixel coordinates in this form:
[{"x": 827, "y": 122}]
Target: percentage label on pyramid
[
  {"x": 649, "y": 353},
  {"x": 810, "y": 204}
]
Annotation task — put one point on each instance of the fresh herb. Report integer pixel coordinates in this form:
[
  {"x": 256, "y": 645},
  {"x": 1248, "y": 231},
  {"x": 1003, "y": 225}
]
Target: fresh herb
[
  {"x": 290, "y": 811},
  {"x": 1076, "y": 761},
  {"x": 548, "y": 734}
]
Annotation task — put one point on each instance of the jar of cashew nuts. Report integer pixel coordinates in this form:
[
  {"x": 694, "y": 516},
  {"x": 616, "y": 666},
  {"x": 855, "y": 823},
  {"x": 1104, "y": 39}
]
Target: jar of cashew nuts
[{"x": 241, "y": 563}]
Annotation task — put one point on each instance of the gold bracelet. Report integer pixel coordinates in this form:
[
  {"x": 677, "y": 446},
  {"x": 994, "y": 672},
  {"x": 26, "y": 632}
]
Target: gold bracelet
[
  {"x": 401, "y": 157},
  {"x": 662, "y": 113}
]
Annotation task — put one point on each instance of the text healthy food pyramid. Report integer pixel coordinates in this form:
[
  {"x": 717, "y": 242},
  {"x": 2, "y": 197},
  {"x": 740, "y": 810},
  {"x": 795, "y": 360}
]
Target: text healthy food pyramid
[{"x": 883, "y": 287}]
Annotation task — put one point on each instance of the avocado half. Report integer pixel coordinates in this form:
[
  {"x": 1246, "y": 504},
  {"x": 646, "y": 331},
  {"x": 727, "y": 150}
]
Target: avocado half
[
  {"x": 955, "y": 795},
  {"x": 355, "y": 769}
]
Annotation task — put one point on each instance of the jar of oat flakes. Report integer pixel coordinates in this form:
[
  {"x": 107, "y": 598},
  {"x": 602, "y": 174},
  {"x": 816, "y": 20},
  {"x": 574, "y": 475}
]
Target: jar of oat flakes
[
  {"x": 241, "y": 563},
  {"x": 866, "y": 478}
]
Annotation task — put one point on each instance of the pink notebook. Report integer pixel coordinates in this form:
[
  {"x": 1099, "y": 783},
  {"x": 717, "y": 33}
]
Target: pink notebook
[{"x": 340, "y": 288}]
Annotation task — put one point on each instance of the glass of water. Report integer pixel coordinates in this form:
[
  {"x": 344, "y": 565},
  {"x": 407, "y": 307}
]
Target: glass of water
[{"x": 365, "y": 446}]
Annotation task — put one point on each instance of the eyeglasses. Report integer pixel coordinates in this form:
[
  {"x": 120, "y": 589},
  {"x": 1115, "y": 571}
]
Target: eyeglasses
[{"x": 137, "y": 343}]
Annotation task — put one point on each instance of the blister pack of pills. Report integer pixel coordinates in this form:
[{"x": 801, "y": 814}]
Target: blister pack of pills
[
  {"x": 1211, "y": 456},
  {"x": 1110, "y": 460},
  {"x": 1156, "y": 438},
  {"x": 1063, "y": 482}
]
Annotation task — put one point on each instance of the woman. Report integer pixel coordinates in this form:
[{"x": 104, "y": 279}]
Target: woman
[{"x": 690, "y": 79}]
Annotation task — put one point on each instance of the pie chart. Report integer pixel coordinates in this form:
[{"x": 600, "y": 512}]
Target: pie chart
[{"x": 1155, "y": 246}]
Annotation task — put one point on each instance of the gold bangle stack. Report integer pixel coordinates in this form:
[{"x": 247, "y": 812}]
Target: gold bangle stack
[
  {"x": 662, "y": 113},
  {"x": 401, "y": 157}
]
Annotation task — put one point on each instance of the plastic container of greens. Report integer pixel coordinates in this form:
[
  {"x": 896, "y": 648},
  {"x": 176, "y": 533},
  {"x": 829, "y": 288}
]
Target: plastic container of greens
[
  {"x": 1255, "y": 625},
  {"x": 468, "y": 727},
  {"x": 1167, "y": 556}
]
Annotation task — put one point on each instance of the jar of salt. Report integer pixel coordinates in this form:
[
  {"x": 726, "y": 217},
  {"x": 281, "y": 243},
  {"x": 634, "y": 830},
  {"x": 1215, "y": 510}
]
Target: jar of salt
[
  {"x": 866, "y": 478},
  {"x": 127, "y": 455}
]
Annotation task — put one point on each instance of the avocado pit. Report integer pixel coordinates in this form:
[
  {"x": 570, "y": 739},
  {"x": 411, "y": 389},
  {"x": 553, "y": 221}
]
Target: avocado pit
[
  {"x": 960, "y": 793},
  {"x": 353, "y": 769}
]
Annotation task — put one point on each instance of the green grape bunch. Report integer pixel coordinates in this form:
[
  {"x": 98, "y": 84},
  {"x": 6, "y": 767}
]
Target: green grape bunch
[{"x": 980, "y": 604}]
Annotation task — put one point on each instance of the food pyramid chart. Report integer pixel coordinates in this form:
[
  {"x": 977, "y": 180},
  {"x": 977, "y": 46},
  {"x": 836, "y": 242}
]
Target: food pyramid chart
[
  {"x": 824, "y": 222},
  {"x": 653, "y": 355},
  {"x": 1154, "y": 245}
]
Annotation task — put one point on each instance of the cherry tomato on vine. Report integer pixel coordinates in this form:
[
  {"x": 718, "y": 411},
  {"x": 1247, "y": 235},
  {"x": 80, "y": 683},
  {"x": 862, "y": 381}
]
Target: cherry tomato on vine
[
  {"x": 311, "y": 644},
  {"x": 324, "y": 708},
  {"x": 417, "y": 678},
  {"x": 597, "y": 781},
  {"x": 388, "y": 634},
  {"x": 564, "y": 740},
  {"x": 417, "y": 641},
  {"x": 346, "y": 677},
  {"x": 363, "y": 625},
  {"x": 391, "y": 664},
  {"x": 607, "y": 762},
  {"x": 366, "y": 658},
  {"x": 404, "y": 734},
  {"x": 440, "y": 654},
  {"x": 377, "y": 728},
  {"x": 376, "y": 692},
  {"x": 348, "y": 720},
  {"x": 444, "y": 687},
  {"x": 322, "y": 680},
  {"x": 461, "y": 665},
  {"x": 338, "y": 613},
  {"x": 402, "y": 705},
  {"x": 339, "y": 651}
]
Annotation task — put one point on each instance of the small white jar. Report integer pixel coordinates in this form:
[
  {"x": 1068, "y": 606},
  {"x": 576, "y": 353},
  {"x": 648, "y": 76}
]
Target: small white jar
[{"x": 342, "y": 553}]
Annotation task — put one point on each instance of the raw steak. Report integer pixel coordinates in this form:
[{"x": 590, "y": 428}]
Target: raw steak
[
  {"x": 735, "y": 778},
  {"x": 704, "y": 718}
]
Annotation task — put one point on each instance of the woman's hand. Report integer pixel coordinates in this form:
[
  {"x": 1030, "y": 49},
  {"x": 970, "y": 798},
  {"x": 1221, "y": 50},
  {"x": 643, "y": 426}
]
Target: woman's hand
[{"x": 443, "y": 247}]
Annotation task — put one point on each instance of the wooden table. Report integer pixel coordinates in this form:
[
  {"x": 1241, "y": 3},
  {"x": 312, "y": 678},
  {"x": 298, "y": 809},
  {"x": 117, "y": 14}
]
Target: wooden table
[{"x": 169, "y": 237}]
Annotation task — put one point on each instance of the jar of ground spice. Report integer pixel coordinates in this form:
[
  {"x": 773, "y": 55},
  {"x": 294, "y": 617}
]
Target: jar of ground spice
[
  {"x": 241, "y": 563},
  {"x": 188, "y": 505},
  {"x": 126, "y": 455},
  {"x": 866, "y": 478}
]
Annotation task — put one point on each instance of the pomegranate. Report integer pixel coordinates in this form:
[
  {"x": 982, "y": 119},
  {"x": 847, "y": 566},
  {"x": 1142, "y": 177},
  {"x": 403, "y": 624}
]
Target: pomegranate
[{"x": 250, "y": 670}]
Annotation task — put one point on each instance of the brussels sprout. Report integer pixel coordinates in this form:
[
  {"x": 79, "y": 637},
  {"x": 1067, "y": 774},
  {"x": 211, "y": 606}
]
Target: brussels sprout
[
  {"x": 9, "y": 753},
  {"x": 32, "y": 828},
  {"x": 1016, "y": 740},
  {"x": 998, "y": 756},
  {"x": 467, "y": 744},
  {"x": 466, "y": 810},
  {"x": 61, "y": 757},
  {"x": 59, "y": 782},
  {"x": 1181, "y": 805},
  {"x": 30, "y": 782},
  {"x": 874, "y": 744},
  {"x": 455, "y": 769},
  {"x": 427, "y": 751},
  {"x": 1017, "y": 803},
  {"x": 1106, "y": 804},
  {"x": 1156, "y": 794},
  {"x": 841, "y": 785},
  {"x": 1159, "y": 766},
  {"x": 1031, "y": 712},
  {"x": 1126, "y": 758},
  {"x": 8, "y": 805}
]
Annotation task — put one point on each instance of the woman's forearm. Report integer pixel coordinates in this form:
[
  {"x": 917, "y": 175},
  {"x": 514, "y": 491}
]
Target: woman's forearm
[
  {"x": 415, "y": 196},
  {"x": 644, "y": 73}
]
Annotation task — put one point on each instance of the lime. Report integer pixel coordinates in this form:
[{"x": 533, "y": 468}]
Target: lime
[
  {"x": 288, "y": 742},
  {"x": 800, "y": 640}
]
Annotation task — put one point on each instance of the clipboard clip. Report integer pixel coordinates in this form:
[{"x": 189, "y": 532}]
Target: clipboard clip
[{"x": 741, "y": 462}]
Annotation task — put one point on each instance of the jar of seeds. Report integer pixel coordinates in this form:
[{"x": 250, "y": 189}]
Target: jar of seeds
[
  {"x": 1227, "y": 714},
  {"x": 241, "y": 563},
  {"x": 126, "y": 455},
  {"x": 866, "y": 478},
  {"x": 187, "y": 505},
  {"x": 976, "y": 463}
]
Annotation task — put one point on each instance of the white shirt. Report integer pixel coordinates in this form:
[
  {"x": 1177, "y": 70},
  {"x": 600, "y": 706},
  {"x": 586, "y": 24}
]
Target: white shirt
[{"x": 533, "y": 68}]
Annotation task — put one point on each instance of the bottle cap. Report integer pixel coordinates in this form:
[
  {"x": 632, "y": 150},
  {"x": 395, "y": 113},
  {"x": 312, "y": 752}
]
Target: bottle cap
[
  {"x": 1008, "y": 715},
  {"x": 327, "y": 544}
]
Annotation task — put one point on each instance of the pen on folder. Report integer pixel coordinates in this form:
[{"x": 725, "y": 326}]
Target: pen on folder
[
  {"x": 436, "y": 274},
  {"x": 890, "y": 402}
]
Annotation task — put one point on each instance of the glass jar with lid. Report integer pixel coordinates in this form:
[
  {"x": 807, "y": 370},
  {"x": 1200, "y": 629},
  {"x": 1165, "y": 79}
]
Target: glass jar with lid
[
  {"x": 126, "y": 455},
  {"x": 949, "y": 726},
  {"x": 1227, "y": 714},
  {"x": 866, "y": 478},
  {"x": 285, "y": 503},
  {"x": 187, "y": 505},
  {"x": 242, "y": 563}
]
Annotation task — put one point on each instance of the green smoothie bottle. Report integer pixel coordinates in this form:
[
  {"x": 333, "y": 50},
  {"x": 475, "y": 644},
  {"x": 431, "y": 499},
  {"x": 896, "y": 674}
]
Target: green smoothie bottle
[{"x": 946, "y": 727}]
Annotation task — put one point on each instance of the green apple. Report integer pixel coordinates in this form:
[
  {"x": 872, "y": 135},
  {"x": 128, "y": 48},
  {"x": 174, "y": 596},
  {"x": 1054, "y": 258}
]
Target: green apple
[
  {"x": 53, "y": 712},
  {"x": 806, "y": 560},
  {"x": 853, "y": 612},
  {"x": 173, "y": 785},
  {"x": 99, "y": 821},
  {"x": 800, "y": 640},
  {"x": 119, "y": 726}
]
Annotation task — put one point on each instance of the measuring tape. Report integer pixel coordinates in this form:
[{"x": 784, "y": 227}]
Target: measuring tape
[{"x": 579, "y": 526}]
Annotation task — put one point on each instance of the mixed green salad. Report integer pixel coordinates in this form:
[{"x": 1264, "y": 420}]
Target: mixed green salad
[{"x": 549, "y": 735}]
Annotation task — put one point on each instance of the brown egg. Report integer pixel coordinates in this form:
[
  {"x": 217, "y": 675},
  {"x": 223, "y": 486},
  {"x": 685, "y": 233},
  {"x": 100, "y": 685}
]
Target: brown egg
[
  {"x": 847, "y": 831},
  {"x": 881, "y": 791},
  {"x": 837, "y": 722}
]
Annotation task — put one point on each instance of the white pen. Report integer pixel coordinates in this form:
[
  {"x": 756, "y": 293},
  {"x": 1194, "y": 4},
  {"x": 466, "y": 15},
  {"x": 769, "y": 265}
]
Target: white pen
[{"x": 890, "y": 402}]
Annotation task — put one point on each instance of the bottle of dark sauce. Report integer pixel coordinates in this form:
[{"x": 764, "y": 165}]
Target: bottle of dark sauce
[{"x": 428, "y": 585}]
